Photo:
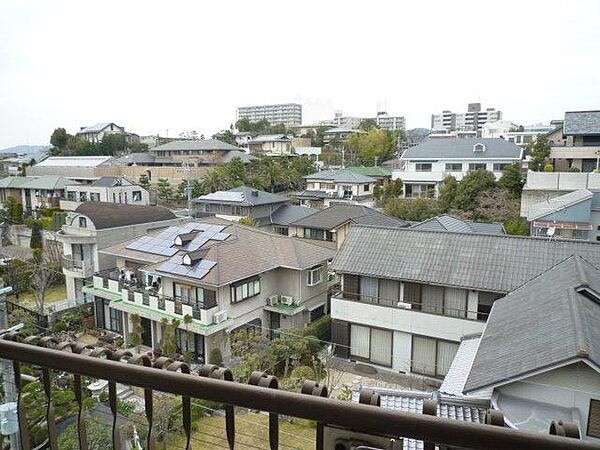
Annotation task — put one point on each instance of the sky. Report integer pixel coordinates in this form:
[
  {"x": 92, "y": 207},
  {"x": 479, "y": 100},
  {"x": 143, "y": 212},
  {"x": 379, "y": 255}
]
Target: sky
[{"x": 167, "y": 67}]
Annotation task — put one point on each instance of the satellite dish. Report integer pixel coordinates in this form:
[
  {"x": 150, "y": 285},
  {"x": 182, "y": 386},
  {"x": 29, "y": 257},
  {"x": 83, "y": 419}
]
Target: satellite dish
[{"x": 551, "y": 231}]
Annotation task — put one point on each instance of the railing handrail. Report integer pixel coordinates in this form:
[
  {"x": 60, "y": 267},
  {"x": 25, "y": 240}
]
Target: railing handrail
[{"x": 363, "y": 418}]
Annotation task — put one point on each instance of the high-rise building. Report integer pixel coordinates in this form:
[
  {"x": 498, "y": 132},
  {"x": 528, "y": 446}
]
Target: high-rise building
[
  {"x": 472, "y": 120},
  {"x": 286, "y": 113}
]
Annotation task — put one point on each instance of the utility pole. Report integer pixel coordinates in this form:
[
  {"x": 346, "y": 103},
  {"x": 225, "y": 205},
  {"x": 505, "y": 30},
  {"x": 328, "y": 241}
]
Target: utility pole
[
  {"x": 10, "y": 395},
  {"x": 188, "y": 188}
]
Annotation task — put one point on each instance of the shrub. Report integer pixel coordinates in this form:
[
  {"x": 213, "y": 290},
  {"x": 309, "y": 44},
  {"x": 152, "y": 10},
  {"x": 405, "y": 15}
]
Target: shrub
[
  {"x": 321, "y": 328},
  {"x": 548, "y": 168},
  {"x": 215, "y": 357},
  {"x": 303, "y": 373},
  {"x": 574, "y": 169}
]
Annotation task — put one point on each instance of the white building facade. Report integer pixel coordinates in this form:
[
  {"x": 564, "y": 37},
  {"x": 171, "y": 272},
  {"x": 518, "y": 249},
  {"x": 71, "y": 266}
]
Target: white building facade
[{"x": 285, "y": 113}]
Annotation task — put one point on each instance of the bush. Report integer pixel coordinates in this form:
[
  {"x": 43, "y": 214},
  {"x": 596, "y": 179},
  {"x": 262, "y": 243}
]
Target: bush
[
  {"x": 303, "y": 373},
  {"x": 215, "y": 357},
  {"x": 574, "y": 169},
  {"x": 548, "y": 168},
  {"x": 321, "y": 328}
]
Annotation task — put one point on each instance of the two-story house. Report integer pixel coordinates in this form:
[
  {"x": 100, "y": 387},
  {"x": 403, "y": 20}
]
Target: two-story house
[
  {"x": 576, "y": 143},
  {"x": 408, "y": 296},
  {"x": 105, "y": 189},
  {"x": 538, "y": 359},
  {"x": 271, "y": 144},
  {"x": 199, "y": 152},
  {"x": 35, "y": 193},
  {"x": 337, "y": 186},
  {"x": 96, "y": 225},
  {"x": 426, "y": 166},
  {"x": 268, "y": 210},
  {"x": 224, "y": 276}
]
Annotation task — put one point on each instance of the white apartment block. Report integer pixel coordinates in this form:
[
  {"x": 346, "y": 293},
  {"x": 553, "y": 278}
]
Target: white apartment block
[
  {"x": 473, "y": 119},
  {"x": 286, "y": 113}
]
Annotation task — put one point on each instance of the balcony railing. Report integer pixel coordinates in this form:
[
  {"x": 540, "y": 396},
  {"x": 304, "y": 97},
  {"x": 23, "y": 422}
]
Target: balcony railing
[
  {"x": 440, "y": 310},
  {"x": 82, "y": 267},
  {"x": 337, "y": 421}
]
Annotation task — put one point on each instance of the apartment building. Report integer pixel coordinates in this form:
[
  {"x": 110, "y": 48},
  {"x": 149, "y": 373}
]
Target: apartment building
[
  {"x": 337, "y": 186},
  {"x": 35, "y": 193},
  {"x": 105, "y": 189},
  {"x": 426, "y": 166},
  {"x": 97, "y": 225},
  {"x": 472, "y": 120},
  {"x": 576, "y": 142},
  {"x": 224, "y": 276},
  {"x": 285, "y": 113},
  {"x": 517, "y": 134},
  {"x": 408, "y": 296},
  {"x": 392, "y": 123}
]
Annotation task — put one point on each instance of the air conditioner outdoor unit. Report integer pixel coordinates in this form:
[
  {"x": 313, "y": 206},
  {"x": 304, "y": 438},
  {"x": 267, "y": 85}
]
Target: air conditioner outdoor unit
[
  {"x": 219, "y": 317},
  {"x": 404, "y": 305},
  {"x": 273, "y": 300},
  {"x": 287, "y": 300}
]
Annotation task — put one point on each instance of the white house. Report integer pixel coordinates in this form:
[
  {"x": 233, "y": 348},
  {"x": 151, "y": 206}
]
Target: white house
[
  {"x": 105, "y": 189},
  {"x": 95, "y": 133},
  {"x": 426, "y": 166},
  {"x": 337, "y": 186}
]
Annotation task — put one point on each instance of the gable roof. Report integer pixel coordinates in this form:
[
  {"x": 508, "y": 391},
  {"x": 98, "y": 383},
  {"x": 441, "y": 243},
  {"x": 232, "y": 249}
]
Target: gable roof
[
  {"x": 198, "y": 144},
  {"x": 48, "y": 182},
  {"x": 446, "y": 222},
  {"x": 13, "y": 182},
  {"x": 466, "y": 260},
  {"x": 581, "y": 123},
  {"x": 96, "y": 128},
  {"x": 340, "y": 213},
  {"x": 374, "y": 171},
  {"x": 340, "y": 176},
  {"x": 556, "y": 204},
  {"x": 270, "y": 138},
  {"x": 111, "y": 215},
  {"x": 551, "y": 320},
  {"x": 286, "y": 214},
  {"x": 242, "y": 196},
  {"x": 462, "y": 148},
  {"x": 109, "y": 181}
]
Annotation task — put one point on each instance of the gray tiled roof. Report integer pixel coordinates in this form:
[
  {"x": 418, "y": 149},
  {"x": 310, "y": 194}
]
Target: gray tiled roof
[
  {"x": 110, "y": 181},
  {"x": 552, "y": 205},
  {"x": 582, "y": 122},
  {"x": 472, "y": 261},
  {"x": 455, "y": 379},
  {"x": 243, "y": 196},
  {"x": 270, "y": 138},
  {"x": 545, "y": 322},
  {"x": 339, "y": 213},
  {"x": 199, "y": 144},
  {"x": 446, "y": 222},
  {"x": 340, "y": 176},
  {"x": 96, "y": 127},
  {"x": 286, "y": 214},
  {"x": 472, "y": 410},
  {"x": 110, "y": 215},
  {"x": 462, "y": 148}
]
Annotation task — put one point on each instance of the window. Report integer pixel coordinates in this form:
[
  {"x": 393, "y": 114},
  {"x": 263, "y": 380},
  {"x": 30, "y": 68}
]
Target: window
[
  {"x": 593, "y": 428},
  {"x": 500, "y": 167},
  {"x": 314, "y": 276},
  {"x": 281, "y": 230},
  {"x": 245, "y": 289},
  {"x": 83, "y": 196},
  {"x": 116, "y": 320},
  {"x": 317, "y": 313},
  {"x": 477, "y": 166},
  {"x": 82, "y": 222},
  {"x": 432, "y": 356},
  {"x": 94, "y": 196},
  {"x": 72, "y": 196},
  {"x": 367, "y": 187},
  {"x": 314, "y": 233},
  {"x": 371, "y": 344},
  {"x": 182, "y": 292},
  {"x": 136, "y": 196},
  {"x": 368, "y": 289},
  {"x": 453, "y": 167},
  {"x": 423, "y": 167},
  {"x": 479, "y": 148}
]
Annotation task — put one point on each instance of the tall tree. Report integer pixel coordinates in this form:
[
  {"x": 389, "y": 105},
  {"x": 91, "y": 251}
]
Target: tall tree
[
  {"x": 373, "y": 147},
  {"x": 471, "y": 186},
  {"x": 540, "y": 151},
  {"x": 143, "y": 181},
  {"x": 165, "y": 191},
  {"x": 448, "y": 193},
  {"x": 512, "y": 179},
  {"x": 113, "y": 143},
  {"x": 36, "y": 235},
  {"x": 59, "y": 138},
  {"x": 42, "y": 277}
]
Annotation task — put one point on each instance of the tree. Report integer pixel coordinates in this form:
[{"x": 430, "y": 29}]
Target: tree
[
  {"x": 189, "y": 337},
  {"x": 496, "y": 205},
  {"x": 226, "y": 136},
  {"x": 170, "y": 338},
  {"x": 99, "y": 435},
  {"x": 144, "y": 182},
  {"x": 373, "y": 147},
  {"x": 236, "y": 172},
  {"x": 215, "y": 357},
  {"x": 36, "y": 235},
  {"x": 165, "y": 191},
  {"x": 59, "y": 138},
  {"x": 113, "y": 143},
  {"x": 517, "y": 226},
  {"x": 512, "y": 179},
  {"x": 471, "y": 186},
  {"x": 248, "y": 221},
  {"x": 392, "y": 190},
  {"x": 42, "y": 278},
  {"x": 540, "y": 150},
  {"x": 135, "y": 335},
  {"x": 13, "y": 210},
  {"x": 448, "y": 191},
  {"x": 215, "y": 180},
  {"x": 368, "y": 124},
  {"x": 417, "y": 209}
]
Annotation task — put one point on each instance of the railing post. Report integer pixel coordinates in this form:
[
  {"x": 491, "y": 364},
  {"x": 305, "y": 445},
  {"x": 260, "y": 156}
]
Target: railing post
[
  {"x": 80, "y": 349},
  {"x": 430, "y": 408},
  {"x": 221, "y": 373},
  {"x": 47, "y": 381},
  {"x": 268, "y": 381},
  {"x": 148, "y": 404},
  {"x": 320, "y": 390},
  {"x": 566, "y": 429},
  {"x": 186, "y": 402}
]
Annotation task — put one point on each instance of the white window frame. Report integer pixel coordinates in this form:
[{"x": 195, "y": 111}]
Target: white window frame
[{"x": 314, "y": 276}]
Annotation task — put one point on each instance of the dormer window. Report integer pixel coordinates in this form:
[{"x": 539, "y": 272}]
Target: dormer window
[
  {"x": 191, "y": 258},
  {"x": 185, "y": 238},
  {"x": 479, "y": 147}
]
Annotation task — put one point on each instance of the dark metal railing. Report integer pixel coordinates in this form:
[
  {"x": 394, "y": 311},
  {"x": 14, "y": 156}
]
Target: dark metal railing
[{"x": 216, "y": 384}]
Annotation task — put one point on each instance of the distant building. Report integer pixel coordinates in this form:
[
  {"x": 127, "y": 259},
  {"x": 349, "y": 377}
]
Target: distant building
[
  {"x": 35, "y": 193},
  {"x": 285, "y": 113},
  {"x": 155, "y": 140},
  {"x": 341, "y": 134},
  {"x": 519, "y": 135},
  {"x": 382, "y": 120},
  {"x": 14, "y": 164},
  {"x": 392, "y": 123},
  {"x": 200, "y": 152},
  {"x": 472, "y": 120},
  {"x": 105, "y": 189},
  {"x": 337, "y": 186},
  {"x": 576, "y": 142},
  {"x": 341, "y": 121},
  {"x": 80, "y": 168},
  {"x": 271, "y": 144},
  {"x": 95, "y": 133}
]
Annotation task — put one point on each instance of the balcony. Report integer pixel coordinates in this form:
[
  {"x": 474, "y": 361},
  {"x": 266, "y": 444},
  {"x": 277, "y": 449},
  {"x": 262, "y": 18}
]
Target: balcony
[
  {"x": 413, "y": 177},
  {"x": 339, "y": 425},
  {"x": 574, "y": 152},
  {"x": 76, "y": 267},
  {"x": 442, "y": 323}
]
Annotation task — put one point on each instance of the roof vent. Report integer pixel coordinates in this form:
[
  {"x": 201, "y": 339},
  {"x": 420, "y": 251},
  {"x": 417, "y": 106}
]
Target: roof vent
[
  {"x": 254, "y": 193},
  {"x": 479, "y": 147}
]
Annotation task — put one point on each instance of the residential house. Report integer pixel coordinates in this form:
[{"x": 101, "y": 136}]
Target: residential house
[
  {"x": 242, "y": 138},
  {"x": 575, "y": 215},
  {"x": 426, "y": 166},
  {"x": 408, "y": 296},
  {"x": 382, "y": 175},
  {"x": 538, "y": 359},
  {"x": 35, "y": 193},
  {"x": 78, "y": 168},
  {"x": 337, "y": 186},
  {"x": 97, "y": 225},
  {"x": 13, "y": 165},
  {"x": 200, "y": 152},
  {"x": 576, "y": 143},
  {"x": 519, "y": 135},
  {"x": 270, "y": 211},
  {"x": 543, "y": 186},
  {"x": 446, "y": 222},
  {"x": 105, "y": 189},
  {"x": 225, "y": 276},
  {"x": 95, "y": 133},
  {"x": 331, "y": 225},
  {"x": 271, "y": 144}
]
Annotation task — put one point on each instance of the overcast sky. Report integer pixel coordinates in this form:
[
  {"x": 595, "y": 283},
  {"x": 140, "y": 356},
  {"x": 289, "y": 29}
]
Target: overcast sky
[{"x": 182, "y": 66}]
